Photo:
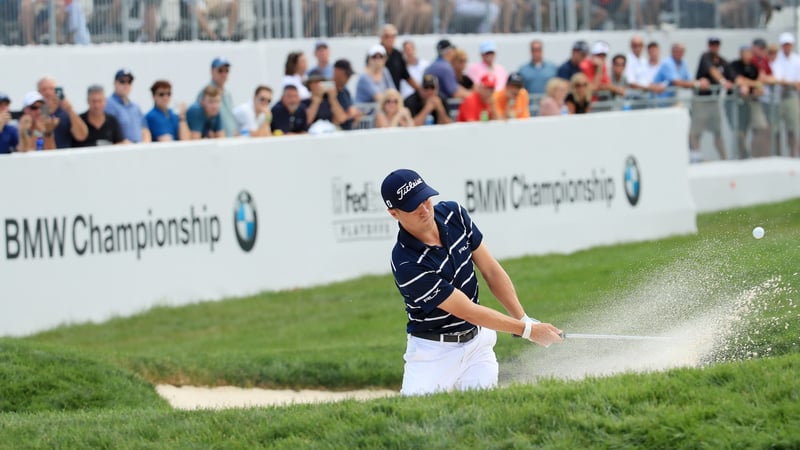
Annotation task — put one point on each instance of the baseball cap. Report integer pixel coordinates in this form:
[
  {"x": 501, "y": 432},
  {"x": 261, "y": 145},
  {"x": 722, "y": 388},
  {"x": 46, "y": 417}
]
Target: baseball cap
[
  {"x": 31, "y": 98},
  {"x": 489, "y": 80},
  {"x": 429, "y": 81},
  {"x": 219, "y": 62},
  {"x": 515, "y": 79},
  {"x": 315, "y": 75},
  {"x": 122, "y": 73},
  {"x": 760, "y": 43},
  {"x": 714, "y": 40},
  {"x": 786, "y": 38},
  {"x": 343, "y": 64},
  {"x": 443, "y": 45},
  {"x": 405, "y": 189},
  {"x": 376, "y": 49},
  {"x": 320, "y": 44},
  {"x": 4, "y": 98},
  {"x": 488, "y": 47},
  {"x": 582, "y": 46},
  {"x": 599, "y": 48}
]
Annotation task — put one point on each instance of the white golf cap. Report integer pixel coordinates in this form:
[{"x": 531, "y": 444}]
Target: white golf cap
[
  {"x": 786, "y": 38},
  {"x": 376, "y": 49},
  {"x": 599, "y": 48},
  {"x": 31, "y": 98}
]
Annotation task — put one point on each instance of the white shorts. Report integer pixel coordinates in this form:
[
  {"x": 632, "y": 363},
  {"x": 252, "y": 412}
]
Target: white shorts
[{"x": 445, "y": 366}]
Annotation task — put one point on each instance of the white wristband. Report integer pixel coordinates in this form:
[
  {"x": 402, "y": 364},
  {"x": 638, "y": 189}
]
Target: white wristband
[
  {"x": 530, "y": 319},
  {"x": 527, "y": 332}
]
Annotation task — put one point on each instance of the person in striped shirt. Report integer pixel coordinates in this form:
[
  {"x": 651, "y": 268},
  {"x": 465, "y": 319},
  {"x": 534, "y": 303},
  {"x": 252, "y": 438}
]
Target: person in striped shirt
[{"x": 451, "y": 336}]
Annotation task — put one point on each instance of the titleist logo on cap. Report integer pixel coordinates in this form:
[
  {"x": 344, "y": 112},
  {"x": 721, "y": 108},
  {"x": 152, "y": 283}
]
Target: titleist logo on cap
[{"x": 406, "y": 188}]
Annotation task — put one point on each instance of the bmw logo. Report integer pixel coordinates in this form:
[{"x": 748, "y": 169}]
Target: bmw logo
[
  {"x": 245, "y": 221},
  {"x": 633, "y": 181}
]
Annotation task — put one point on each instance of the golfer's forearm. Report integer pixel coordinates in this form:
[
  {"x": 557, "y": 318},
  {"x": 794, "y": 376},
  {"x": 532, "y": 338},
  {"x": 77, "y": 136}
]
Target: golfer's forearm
[{"x": 489, "y": 318}]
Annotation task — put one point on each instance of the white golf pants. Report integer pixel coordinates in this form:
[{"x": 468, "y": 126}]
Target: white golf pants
[{"x": 445, "y": 366}]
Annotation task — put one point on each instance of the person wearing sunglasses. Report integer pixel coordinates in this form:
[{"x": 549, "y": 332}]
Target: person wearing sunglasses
[
  {"x": 127, "y": 112},
  {"x": 254, "y": 117},
  {"x": 163, "y": 124},
  {"x": 428, "y": 106},
  {"x": 579, "y": 99},
  {"x": 391, "y": 111},
  {"x": 377, "y": 78},
  {"x": 35, "y": 128},
  {"x": 220, "y": 68}
]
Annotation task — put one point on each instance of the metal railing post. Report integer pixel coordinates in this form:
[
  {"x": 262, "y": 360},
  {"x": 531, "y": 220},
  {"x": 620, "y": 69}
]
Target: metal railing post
[
  {"x": 632, "y": 15},
  {"x": 323, "y": 20},
  {"x": 676, "y": 12},
  {"x": 124, "y": 15},
  {"x": 51, "y": 22},
  {"x": 381, "y": 14},
  {"x": 435, "y": 20},
  {"x": 268, "y": 19},
  {"x": 717, "y": 17},
  {"x": 571, "y": 15},
  {"x": 586, "y": 11},
  {"x": 552, "y": 11},
  {"x": 297, "y": 19},
  {"x": 194, "y": 27}
]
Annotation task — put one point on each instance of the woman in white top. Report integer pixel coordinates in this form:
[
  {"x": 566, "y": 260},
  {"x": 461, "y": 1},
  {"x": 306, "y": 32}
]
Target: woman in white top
[
  {"x": 296, "y": 65},
  {"x": 377, "y": 79}
]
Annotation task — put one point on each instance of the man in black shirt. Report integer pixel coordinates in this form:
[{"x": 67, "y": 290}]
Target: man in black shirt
[
  {"x": 289, "y": 114},
  {"x": 104, "y": 129},
  {"x": 428, "y": 106},
  {"x": 747, "y": 113},
  {"x": 706, "y": 116},
  {"x": 394, "y": 58}
]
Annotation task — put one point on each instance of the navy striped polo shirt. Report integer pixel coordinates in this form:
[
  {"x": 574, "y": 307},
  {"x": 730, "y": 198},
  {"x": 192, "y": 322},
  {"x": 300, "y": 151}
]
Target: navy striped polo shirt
[{"x": 426, "y": 275}]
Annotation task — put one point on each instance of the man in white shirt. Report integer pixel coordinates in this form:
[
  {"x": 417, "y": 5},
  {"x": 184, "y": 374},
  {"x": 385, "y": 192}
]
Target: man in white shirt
[
  {"x": 786, "y": 70},
  {"x": 416, "y": 68},
  {"x": 636, "y": 64},
  {"x": 254, "y": 117}
]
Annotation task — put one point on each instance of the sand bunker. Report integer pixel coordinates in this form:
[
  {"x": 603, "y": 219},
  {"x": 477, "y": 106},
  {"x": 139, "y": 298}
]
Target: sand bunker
[{"x": 192, "y": 397}]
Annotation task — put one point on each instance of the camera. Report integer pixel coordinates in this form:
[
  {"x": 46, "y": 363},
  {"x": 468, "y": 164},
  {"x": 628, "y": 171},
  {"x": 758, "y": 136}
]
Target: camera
[{"x": 60, "y": 92}]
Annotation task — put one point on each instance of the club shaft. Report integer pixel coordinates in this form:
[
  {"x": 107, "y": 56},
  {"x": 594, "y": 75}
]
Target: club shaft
[{"x": 618, "y": 337}]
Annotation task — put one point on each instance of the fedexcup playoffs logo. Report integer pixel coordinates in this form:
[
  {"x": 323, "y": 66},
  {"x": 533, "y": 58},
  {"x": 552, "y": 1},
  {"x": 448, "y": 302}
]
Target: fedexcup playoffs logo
[
  {"x": 245, "y": 221},
  {"x": 633, "y": 183}
]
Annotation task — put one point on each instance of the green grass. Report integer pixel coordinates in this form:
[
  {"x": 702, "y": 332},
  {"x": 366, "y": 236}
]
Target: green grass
[
  {"x": 82, "y": 386},
  {"x": 752, "y": 404},
  {"x": 35, "y": 378}
]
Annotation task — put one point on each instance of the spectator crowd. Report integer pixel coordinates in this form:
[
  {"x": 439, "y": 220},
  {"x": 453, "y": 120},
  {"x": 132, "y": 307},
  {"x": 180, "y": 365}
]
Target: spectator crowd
[{"x": 399, "y": 89}]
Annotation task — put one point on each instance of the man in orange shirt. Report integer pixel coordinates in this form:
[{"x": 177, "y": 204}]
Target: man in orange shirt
[
  {"x": 479, "y": 106},
  {"x": 512, "y": 102}
]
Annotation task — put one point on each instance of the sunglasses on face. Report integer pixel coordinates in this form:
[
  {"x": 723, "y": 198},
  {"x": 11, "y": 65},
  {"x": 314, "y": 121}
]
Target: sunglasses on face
[
  {"x": 391, "y": 100},
  {"x": 34, "y": 107},
  {"x": 125, "y": 81},
  {"x": 264, "y": 99},
  {"x": 429, "y": 88},
  {"x": 378, "y": 56},
  {"x": 223, "y": 70},
  {"x": 580, "y": 84},
  {"x": 164, "y": 94}
]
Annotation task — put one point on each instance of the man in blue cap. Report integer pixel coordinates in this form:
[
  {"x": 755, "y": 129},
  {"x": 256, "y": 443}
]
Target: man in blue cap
[
  {"x": 451, "y": 336},
  {"x": 220, "y": 68}
]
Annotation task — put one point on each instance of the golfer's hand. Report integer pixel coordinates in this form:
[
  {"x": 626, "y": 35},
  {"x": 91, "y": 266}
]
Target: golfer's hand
[{"x": 545, "y": 334}]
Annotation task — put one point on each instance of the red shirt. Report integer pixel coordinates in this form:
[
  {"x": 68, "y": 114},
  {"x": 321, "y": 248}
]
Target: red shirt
[
  {"x": 762, "y": 64},
  {"x": 587, "y": 67},
  {"x": 471, "y": 109}
]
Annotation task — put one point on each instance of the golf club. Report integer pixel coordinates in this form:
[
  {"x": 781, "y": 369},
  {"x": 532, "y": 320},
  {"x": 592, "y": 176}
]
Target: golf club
[{"x": 618, "y": 337}]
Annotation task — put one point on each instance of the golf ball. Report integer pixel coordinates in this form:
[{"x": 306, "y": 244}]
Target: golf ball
[{"x": 758, "y": 232}]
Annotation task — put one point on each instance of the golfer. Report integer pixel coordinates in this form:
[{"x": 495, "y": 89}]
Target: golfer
[{"x": 451, "y": 336}]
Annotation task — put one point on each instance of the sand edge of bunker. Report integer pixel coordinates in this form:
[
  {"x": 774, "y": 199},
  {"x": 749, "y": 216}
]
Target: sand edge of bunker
[{"x": 223, "y": 397}]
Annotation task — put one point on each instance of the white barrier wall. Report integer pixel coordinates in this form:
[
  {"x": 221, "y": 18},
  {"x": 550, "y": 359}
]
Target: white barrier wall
[
  {"x": 187, "y": 65},
  {"x": 733, "y": 184},
  {"x": 87, "y": 234}
]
